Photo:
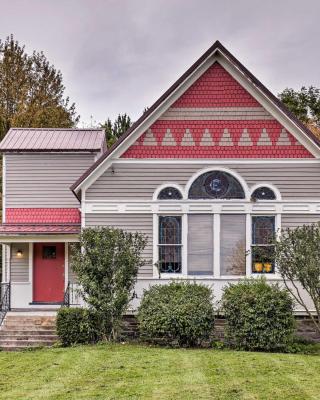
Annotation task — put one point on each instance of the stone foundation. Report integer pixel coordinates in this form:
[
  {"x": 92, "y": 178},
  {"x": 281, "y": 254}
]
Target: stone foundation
[{"x": 305, "y": 329}]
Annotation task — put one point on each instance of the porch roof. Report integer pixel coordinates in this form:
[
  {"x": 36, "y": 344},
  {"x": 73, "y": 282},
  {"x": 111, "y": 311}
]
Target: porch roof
[{"x": 23, "y": 229}]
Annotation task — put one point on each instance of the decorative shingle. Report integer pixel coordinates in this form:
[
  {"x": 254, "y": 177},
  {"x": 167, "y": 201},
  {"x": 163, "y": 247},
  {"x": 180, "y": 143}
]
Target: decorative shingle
[
  {"x": 187, "y": 139},
  {"x": 149, "y": 139},
  {"x": 245, "y": 139},
  {"x": 283, "y": 138},
  {"x": 264, "y": 139},
  {"x": 206, "y": 139},
  {"x": 168, "y": 139},
  {"x": 225, "y": 138}
]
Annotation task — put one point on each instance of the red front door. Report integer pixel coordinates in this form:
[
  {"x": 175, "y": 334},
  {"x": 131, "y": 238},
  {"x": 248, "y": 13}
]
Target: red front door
[{"x": 48, "y": 272}]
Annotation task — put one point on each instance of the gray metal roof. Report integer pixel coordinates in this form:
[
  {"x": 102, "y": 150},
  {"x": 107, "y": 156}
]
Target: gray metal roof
[{"x": 52, "y": 139}]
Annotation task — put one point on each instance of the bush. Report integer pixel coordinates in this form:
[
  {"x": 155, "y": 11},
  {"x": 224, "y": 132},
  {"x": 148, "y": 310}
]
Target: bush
[
  {"x": 258, "y": 316},
  {"x": 76, "y": 326},
  {"x": 179, "y": 313}
]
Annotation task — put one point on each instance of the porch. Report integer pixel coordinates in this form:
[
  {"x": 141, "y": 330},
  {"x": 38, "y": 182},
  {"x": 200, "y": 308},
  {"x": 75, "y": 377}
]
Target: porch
[{"x": 37, "y": 273}]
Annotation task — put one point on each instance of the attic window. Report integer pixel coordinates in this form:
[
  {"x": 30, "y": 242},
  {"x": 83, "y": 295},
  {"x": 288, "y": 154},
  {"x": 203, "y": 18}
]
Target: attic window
[
  {"x": 263, "y": 193},
  {"x": 169, "y": 193}
]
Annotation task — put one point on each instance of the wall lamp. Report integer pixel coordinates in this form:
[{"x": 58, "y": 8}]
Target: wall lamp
[{"x": 19, "y": 253}]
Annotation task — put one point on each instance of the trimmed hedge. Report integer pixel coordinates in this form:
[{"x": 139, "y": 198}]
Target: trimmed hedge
[
  {"x": 258, "y": 316},
  {"x": 77, "y": 326},
  {"x": 180, "y": 313}
]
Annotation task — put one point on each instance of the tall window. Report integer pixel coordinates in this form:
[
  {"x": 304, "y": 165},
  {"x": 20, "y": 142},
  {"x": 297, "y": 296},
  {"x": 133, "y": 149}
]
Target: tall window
[
  {"x": 263, "y": 231},
  {"x": 170, "y": 244},
  {"x": 216, "y": 185},
  {"x": 233, "y": 244}
]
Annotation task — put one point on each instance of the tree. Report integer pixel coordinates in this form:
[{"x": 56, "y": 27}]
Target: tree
[
  {"x": 107, "y": 269},
  {"x": 115, "y": 129},
  {"x": 297, "y": 256},
  {"x": 304, "y": 104},
  {"x": 31, "y": 91}
]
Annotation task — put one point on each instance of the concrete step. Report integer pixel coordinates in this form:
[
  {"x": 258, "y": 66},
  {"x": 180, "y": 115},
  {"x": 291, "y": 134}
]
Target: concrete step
[
  {"x": 21, "y": 330},
  {"x": 28, "y": 337},
  {"x": 25, "y": 343},
  {"x": 31, "y": 332}
]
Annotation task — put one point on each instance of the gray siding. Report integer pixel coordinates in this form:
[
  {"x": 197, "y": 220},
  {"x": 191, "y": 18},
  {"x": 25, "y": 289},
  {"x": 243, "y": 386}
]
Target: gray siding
[
  {"x": 294, "y": 220},
  {"x": 20, "y": 265},
  {"x": 131, "y": 223},
  {"x": 43, "y": 180},
  {"x": 128, "y": 182}
]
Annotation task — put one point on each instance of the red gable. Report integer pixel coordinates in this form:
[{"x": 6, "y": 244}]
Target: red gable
[{"x": 216, "y": 118}]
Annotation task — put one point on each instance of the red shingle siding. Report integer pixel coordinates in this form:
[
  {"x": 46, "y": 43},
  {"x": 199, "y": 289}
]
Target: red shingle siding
[
  {"x": 42, "y": 215},
  {"x": 216, "y": 88},
  {"x": 216, "y": 128},
  {"x": 215, "y": 106}
]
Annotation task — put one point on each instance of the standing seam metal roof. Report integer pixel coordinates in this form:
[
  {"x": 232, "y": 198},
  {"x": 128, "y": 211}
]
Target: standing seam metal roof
[{"x": 52, "y": 139}]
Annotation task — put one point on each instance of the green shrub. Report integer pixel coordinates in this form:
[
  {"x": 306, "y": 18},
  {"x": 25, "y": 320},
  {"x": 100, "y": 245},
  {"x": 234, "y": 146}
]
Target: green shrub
[
  {"x": 179, "y": 313},
  {"x": 76, "y": 326},
  {"x": 258, "y": 316}
]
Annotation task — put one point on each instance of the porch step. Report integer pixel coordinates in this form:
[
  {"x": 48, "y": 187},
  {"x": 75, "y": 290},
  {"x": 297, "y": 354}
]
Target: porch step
[{"x": 22, "y": 331}]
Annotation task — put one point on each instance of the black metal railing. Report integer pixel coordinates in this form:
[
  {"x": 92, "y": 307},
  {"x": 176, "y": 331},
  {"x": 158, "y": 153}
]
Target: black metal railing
[
  {"x": 4, "y": 300},
  {"x": 71, "y": 295}
]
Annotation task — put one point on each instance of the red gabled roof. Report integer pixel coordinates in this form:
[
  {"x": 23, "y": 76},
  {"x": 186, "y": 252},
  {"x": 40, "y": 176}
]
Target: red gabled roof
[
  {"x": 19, "y": 229},
  {"x": 216, "y": 46}
]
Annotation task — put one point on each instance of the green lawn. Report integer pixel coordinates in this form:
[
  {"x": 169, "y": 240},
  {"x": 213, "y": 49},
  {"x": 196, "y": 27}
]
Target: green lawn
[{"x": 141, "y": 372}]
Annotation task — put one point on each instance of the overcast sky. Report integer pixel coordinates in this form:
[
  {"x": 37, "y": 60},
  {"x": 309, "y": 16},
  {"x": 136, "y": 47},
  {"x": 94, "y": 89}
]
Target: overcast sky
[{"x": 120, "y": 55}]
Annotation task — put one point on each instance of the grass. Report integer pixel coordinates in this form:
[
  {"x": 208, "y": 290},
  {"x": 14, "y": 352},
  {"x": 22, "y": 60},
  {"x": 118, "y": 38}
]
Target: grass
[{"x": 128, "y": 371}]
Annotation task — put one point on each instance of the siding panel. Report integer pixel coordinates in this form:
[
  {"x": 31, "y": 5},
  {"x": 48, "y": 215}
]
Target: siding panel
[
  {"x": 294, "y": 220},
  {"x": 20, "y": 265},
  {"x": 129, "y": 182},
  {"x": 43, "y": 180},
  {"x": 131, "y": 223}
]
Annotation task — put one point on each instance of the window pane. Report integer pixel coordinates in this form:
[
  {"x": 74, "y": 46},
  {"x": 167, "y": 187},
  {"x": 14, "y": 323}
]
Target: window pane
[
  {"x": 263, "y": 193},
  {"x": 170, "y": 258},
  {"x": 263, "y": 259},
  {"x": 216, "y": 185},
  {"x": 200, "y": 244},
  {"x": 233, "y": 244},
  {"x": 49, "y": 252},
  {"x": 262, "y": 230},
  {"x": 169, "y": 193},
  {"x": 170, "y": 230}
]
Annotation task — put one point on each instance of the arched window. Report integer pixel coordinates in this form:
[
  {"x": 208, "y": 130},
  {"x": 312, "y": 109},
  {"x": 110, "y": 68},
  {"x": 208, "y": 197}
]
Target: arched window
[
  {"x": 263, "y": 193},
  {"x": 169, "y": 193},
  {"x": 216, "y": 185}
]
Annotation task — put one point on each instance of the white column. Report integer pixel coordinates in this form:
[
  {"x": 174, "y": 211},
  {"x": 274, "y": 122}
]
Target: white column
[
  {"x": 184, "y": 254},
  {"x": 248, "y": 245},
  {"x": 66, "y": 264},
  {"x": 216, "y": 246}
]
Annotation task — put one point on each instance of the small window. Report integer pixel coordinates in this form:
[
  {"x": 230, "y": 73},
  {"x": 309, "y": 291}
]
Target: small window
[
  {"x": 263, "y": 231},
  {"x": 170, "y": 193},
  {"x": 263, "y": 193},
  {"x": 49, "y": 252},
  {"x": 170, "y": 244}
]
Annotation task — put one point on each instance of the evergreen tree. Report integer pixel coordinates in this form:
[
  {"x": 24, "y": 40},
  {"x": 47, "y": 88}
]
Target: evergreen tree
[
  {"x": 31, "y": 91},
  {"x": 115, "y": 129}
]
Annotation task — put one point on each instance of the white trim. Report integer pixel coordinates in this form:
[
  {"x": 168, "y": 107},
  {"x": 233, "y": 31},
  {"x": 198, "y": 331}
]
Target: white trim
[
  {"x": 8, "y": 263},
  {"x": 4, "y": 190},
  {"x": 212, "y": 161},
  {"x": 30, "y": 262},
  {"x": 216, "y": 246},
  {"x": 82, "y": 208},
  {"x": 168, "y": 184},
  {"x": 206, "y": 206},
  {"x": 66, "y": 264},
  {"x": 248, "y": 245},
  {"x": 184, "y": 242},
  {"x": 155, "y": 241},
  {"x": 35, "y": 239},
  {"x": 222, "y": 169},
  {"x": 268, "y": 185}
]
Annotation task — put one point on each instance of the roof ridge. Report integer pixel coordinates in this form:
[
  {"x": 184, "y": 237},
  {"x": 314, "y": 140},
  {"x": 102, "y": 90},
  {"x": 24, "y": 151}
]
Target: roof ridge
[{"x": 57, "y": 129}]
